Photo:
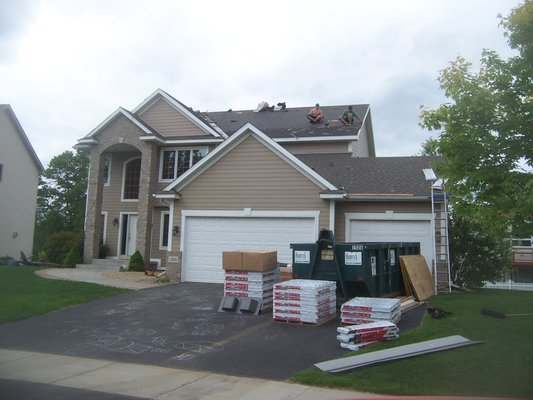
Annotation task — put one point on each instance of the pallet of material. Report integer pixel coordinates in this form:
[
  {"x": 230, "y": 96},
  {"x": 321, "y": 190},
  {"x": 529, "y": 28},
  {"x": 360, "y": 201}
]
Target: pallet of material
[
  {"x": 417, "y": 279},
  {"x": 304, "y": 300},
  {"x": 363, "y": 310}
]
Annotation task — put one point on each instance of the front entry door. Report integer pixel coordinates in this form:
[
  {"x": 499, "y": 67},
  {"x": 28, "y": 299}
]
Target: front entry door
[{"x": 130, "y": 234}]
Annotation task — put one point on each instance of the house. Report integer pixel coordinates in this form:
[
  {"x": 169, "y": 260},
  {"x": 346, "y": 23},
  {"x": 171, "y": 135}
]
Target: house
[
  {"x": 20, "y": 169},
  {"x": 181, "y": 186}
]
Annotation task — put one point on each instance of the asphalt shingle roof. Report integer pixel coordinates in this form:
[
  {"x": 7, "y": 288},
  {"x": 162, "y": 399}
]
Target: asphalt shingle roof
[
  {"x": 373, "y": 175},
  {"x": 290, "y": 122}
]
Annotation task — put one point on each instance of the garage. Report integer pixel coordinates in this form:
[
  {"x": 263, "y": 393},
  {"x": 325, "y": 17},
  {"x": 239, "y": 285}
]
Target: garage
[
  {"x": 389, "y": 227},
  {"x": 205, "y": 237}
]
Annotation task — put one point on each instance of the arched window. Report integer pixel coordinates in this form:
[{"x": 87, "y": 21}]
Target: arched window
[{"x": 132, "y": 177}]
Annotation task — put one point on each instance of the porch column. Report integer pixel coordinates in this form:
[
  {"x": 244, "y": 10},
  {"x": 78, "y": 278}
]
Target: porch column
[
  {"x": 93, "y": 208},
  {"x": 146, "y": 189}
]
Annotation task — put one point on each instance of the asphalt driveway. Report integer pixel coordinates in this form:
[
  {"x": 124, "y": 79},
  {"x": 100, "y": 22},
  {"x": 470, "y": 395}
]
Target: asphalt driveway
[{"x": 179, "y": 326}]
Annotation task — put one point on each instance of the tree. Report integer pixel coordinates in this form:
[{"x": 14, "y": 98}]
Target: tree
[
  {"x": 485, "y": 131},
  {"x": 61, "y": 196}
]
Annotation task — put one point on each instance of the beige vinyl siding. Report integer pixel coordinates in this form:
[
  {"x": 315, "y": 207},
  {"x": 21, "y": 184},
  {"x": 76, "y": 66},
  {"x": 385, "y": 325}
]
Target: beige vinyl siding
[
  {"x": 372, "y": 207},
  {"x": 251, "y": 176},
  {"x": 167, "y": 121},
  {"x": 317, "y": 147}
]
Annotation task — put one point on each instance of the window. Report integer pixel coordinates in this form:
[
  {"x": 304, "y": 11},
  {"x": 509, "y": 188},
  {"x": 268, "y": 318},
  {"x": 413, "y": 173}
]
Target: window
[
  {"x": 175, "y": 162},
  {"x": 1, "y": 168},
  {"x": 165, "y": 224},
  {"x": 107, "y": 169},
  {"x": 132, "y": 177}
]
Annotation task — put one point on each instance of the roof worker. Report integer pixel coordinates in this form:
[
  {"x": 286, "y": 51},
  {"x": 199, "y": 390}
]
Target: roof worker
[
  {"x": 315, "y": 114},
  {"x": 348, "y": 117}
]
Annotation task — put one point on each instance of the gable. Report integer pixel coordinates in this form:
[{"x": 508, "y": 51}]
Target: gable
[
  {"x": 250, "y": 174},
  {"x": 168, "y": 121}
]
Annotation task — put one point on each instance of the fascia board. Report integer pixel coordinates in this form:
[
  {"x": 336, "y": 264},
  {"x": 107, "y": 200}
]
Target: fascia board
[
  {"x": 317, "y": 139},
  {"x": 352, "y": 197},
  {"x": 179, "y": 141},
  {"x": 167, "y": 196},
  {"x": 179, "y": 107},
  {"x": 111, "y": 117},
  {"x": 333, "y": 196},
  {"x": 247, "y": 130}
]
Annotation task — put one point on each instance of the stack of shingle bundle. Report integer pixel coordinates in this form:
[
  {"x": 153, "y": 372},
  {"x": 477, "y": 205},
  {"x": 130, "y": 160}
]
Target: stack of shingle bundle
[
  {"x": 304, "y": 301},
  {"x": 363, "y": 310},
  {"x": 354, "y": 337},
  {"x": 258, "y": 285}
]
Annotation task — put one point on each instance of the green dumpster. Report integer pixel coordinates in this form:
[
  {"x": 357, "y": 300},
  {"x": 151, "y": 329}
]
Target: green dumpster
[{"x": 369, "y": 269}]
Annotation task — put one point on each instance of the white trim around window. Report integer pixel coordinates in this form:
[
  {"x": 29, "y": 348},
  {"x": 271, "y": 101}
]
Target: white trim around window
[
  {"x": 107, "y": 158},
  {"x": 203, "y": 149},
  {"x": 165, "y": 215},
  {"x": 124, "y": 181}
]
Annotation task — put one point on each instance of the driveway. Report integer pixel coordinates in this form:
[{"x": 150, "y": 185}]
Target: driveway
[{"x": 179, "y": 326}]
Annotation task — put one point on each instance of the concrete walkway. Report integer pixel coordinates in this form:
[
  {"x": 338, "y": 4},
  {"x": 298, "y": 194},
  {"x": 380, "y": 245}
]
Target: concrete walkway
[
  {"x": 151, "y": 382},
  {"x": 92, "y": 276}
]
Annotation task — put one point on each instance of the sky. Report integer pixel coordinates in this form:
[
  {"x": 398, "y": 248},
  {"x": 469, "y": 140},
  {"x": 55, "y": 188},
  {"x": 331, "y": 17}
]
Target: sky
[{"x": 67, "y": 65}]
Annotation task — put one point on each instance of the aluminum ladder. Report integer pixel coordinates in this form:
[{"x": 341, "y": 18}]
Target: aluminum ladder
[{"x": 441, "y": 245}]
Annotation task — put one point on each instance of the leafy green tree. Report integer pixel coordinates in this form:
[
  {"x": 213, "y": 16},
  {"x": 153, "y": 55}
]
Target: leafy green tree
[
  {"x": 485, "y": 131},
  {"x": 477, "y": 254},
  {"x": 61, "y": 196}
]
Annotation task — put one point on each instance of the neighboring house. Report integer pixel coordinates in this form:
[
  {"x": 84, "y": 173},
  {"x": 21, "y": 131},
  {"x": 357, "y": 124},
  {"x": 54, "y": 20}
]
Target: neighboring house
[
  {"x": 182, "y": 186},
  {"x": 19, "y": 177},
  {"x": 522, "y": 260}
]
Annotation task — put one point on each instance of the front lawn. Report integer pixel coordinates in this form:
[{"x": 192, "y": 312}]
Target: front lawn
[
  {"x": 501, "y": 366},
  {"x": 23, "y": 294}
]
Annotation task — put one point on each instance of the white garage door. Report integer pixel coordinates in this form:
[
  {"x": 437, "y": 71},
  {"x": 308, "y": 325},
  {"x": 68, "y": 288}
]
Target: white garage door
[
  {"x": 393, "y": 231},
  {"x": 207, "y": 237}
]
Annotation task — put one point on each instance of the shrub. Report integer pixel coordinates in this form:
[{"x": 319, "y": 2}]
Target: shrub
[
  {"x": 75, "y": 254},
  {"x": 59, "y": 244},
  {"x": 136, "y": 262},
  {"x": 103, "y": 251}
]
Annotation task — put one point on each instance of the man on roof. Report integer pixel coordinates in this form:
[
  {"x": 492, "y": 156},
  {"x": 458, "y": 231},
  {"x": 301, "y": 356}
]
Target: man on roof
[
  {"x": 347, "y": 118},
  {"x": 315, "y": 114}
]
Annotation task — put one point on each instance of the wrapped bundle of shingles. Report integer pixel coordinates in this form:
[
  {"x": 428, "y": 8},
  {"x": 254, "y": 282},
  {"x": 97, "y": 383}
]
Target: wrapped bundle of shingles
[
  {"x": 304, "y": 301},
  {"x": 258, "y": 285},
  {"x": 354, "y": 337},
  {"x": 370, "y": 320},
  {"x": 363, "y": 310}
]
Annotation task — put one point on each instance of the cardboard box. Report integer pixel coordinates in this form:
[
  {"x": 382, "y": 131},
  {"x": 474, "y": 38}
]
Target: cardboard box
[
  {"x": 259, "y": 260},
  {"x": 249, "y": 260},
  {"x": 232, "y": 260}
]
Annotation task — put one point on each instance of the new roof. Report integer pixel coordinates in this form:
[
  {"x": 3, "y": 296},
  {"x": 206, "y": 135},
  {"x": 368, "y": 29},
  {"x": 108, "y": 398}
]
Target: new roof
[
  {"x": 290, "y": 122},
  {"x": 373, "y": 176}
]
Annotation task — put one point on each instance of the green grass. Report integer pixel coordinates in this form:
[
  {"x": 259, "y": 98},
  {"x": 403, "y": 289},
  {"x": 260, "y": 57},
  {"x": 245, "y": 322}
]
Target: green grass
[
  {"x": 23, "y": 294},
  {"x": 501, "y": 366}
]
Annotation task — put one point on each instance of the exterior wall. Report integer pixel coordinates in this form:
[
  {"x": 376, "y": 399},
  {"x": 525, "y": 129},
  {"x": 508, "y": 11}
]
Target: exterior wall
[
  {"x": 18, "y": 192},
  {"x": 250, "y": 176},
  {"x": 372, "y": 207},
  {"x": 317, "y": 147},
  {"x": 118, "y": 137},
  {"x": 169, "y": 122}
]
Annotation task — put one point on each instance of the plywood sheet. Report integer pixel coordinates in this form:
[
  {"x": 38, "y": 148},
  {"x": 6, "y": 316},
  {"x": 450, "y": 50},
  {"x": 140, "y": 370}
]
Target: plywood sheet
[{"x": 416, "y": 272}]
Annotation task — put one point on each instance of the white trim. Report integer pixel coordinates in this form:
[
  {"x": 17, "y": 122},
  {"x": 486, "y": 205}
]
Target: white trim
[
  {"x": 316, "y": 139},
  {"x": 122, "y": 199},
  {"x": 385, "y": 216},
  {"x": 167, "y": 196},
  {"x": 333, "y": 196},
  {"x": 178, "y": 107},
  {"x": 178, "y": 142},
  {"x": 108, "y": 120},
  {"x": 104, "y": 233},
  {"x": 170, "y": 225},
  {"x": 156, "y": 260},
  {"x": 246, "y": 131},
  {"x": 332, "y": 216},
  {"x": 162, "y": 150},
  {"x": 169, "y": 231}
]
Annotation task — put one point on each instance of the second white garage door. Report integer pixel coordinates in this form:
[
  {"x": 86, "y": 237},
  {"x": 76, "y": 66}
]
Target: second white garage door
[
  {"x": 205, "y": 238},
  {"x": 393, "y": 231}
]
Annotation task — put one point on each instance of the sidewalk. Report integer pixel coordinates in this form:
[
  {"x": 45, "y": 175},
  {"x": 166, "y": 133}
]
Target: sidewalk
[{"x": 151, "y": 382}]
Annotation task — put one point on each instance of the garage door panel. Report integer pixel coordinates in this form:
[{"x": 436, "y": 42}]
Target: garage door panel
[
  {"x": 393, "y": 231},
  {"x": 205, "y": 238}
]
